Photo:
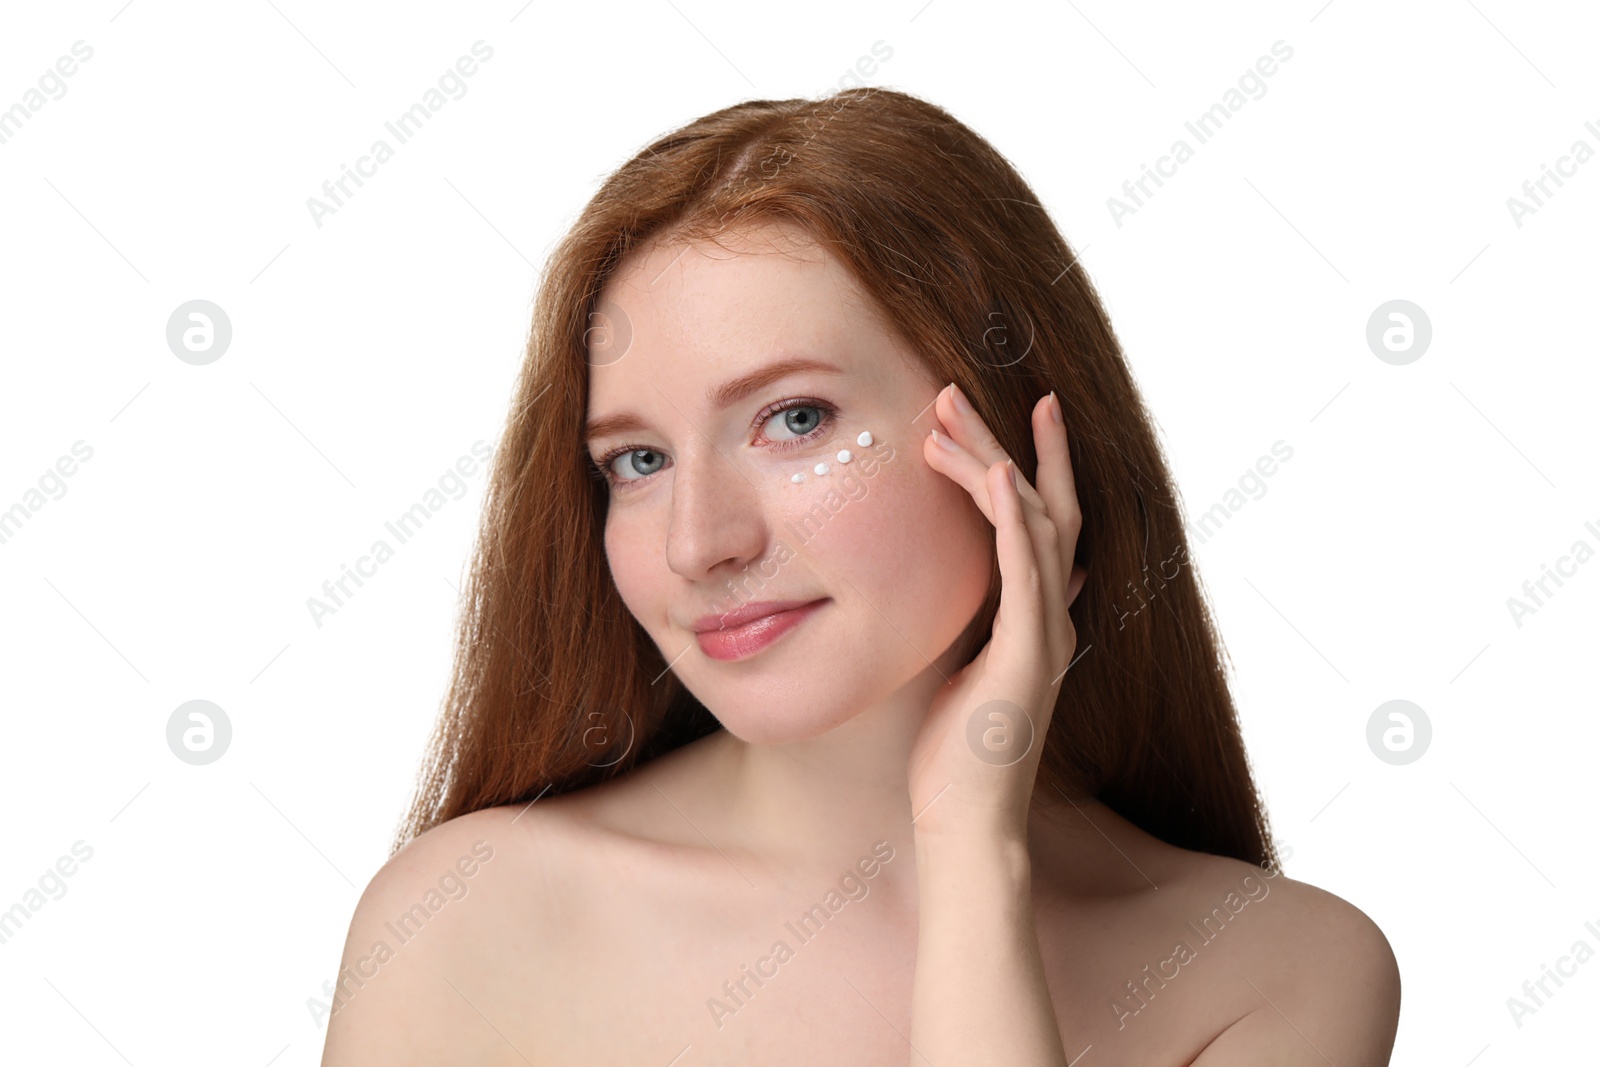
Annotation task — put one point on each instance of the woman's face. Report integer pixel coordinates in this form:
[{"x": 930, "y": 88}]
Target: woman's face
[{"x": 705, "y": 517}]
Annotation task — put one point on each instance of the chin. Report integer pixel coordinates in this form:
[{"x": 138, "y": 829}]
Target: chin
[
  {"x": 769, "y": 730},
  {"x": 791, "y": 699},
  {"x": 780, "y": 706}
]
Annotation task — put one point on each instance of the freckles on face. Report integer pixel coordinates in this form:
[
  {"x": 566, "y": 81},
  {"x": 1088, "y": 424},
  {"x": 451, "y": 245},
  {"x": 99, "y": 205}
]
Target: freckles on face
[
  {"x": 905, "y": 551},
  {"x": 903, "y": 554},
  {"x": 899, "y": 552}
]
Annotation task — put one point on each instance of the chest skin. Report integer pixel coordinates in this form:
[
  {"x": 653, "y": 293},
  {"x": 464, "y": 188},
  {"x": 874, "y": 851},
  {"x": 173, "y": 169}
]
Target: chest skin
[{"x": 660, "y": 955}]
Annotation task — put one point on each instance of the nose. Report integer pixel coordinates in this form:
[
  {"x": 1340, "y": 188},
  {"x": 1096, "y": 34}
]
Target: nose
[{"x": 717, "y": 521}]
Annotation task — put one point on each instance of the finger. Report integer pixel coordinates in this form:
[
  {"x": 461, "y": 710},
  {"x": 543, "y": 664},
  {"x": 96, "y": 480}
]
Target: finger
[
  {"x": 1019, "y": 622},
  {"x": 1075, "y": 584},
  {"x": 966, "y": 470},
  {"x": 957, "y": 464},
  {"x": 950, "y": 459},
  {"x": 1046, "y": 542},
  {"x": 1056, "y": 485},
  {"x": 973, "y": 434}
]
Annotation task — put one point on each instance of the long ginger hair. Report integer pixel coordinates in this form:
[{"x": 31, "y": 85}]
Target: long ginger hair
[{"x": 555, "y": 686}]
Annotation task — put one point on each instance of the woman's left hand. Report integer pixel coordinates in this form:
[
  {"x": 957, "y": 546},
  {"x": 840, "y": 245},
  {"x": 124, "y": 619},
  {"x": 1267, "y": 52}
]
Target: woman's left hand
[{"x": 973, "y": 765}]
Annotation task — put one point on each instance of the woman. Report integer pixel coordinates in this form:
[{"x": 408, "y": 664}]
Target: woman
[{"x": 771, "y": 738}]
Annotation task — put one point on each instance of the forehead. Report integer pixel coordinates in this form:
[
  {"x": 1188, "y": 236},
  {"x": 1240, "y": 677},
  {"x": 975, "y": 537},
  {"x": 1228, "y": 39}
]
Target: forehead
[{"x": 706, "y": 310}]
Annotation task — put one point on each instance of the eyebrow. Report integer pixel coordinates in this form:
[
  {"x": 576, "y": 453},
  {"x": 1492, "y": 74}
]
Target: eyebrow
[{"x": 717, "y": 397}]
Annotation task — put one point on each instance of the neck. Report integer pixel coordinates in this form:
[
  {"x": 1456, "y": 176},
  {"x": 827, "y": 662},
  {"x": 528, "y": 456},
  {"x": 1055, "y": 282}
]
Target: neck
[
  {"x": 832, "y": 797},
  {"x": 845, "y": 789},
  {"x": 813, "y": 807}
]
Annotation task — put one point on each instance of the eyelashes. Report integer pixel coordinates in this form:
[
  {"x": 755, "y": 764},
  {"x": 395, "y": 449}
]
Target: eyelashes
[{"x": 601, "y": 470}]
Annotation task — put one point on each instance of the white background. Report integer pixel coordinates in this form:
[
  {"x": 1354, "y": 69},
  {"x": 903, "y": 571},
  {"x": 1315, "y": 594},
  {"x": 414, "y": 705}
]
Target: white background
[{"x": 372, "y": 352}]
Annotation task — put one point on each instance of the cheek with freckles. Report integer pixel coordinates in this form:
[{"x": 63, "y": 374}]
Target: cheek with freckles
[
  {"x": 904, "y": 554},
  {"x": 903, "y": 544},
  {"x": 902, "y": 550},
  {"x": 635, "y": 552}
]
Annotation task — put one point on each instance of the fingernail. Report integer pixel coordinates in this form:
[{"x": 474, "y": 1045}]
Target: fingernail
[
  {"x": 960, "y": 400},
  {"x": 1011, "y": 468},
  {"x": 1055, "y": 408},
  {"x": 944, "y": 442}
]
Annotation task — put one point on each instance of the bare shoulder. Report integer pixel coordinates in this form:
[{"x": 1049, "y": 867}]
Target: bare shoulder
[
  {"x": 433, "y": 923},
  {"x": 1311, "y": 978},
  {"x": 464, "y": 933}
]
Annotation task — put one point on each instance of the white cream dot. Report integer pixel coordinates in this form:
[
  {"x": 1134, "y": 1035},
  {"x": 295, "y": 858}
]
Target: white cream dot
[
  {"x": 821, "y": 468},
  {"x": 798, "y": 477},
  {"x": 865, "y": 439},
  {"x": 843, "y": 456}
]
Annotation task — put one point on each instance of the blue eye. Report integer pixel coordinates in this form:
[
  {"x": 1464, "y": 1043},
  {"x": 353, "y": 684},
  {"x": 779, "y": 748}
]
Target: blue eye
[
  {"x": 807, "y": 420},
  {"x": 795, "y": 419},
  {"x": 635, "y": 459}
]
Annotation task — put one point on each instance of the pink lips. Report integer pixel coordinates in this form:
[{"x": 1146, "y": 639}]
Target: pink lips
[{"x": 746, "y": 631}]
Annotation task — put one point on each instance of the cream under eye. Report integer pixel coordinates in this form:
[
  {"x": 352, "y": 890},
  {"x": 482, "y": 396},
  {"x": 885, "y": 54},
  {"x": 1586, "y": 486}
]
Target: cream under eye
[{"x": 806, "y": 432}]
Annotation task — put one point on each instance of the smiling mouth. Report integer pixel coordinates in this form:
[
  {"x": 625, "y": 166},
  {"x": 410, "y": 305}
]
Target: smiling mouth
[{"x": 736, "y": 642}]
